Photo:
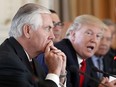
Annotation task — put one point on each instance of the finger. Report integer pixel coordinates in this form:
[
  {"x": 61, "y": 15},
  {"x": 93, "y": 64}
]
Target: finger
[
  {"x": 53, "y": 47},
  {"x": 104, "y": 80},
  {"x": 113, "y": 82},
  {"x": 57, "y": 51},
  {"x": 62, "y": 54},
  {"x": 48, "y": 47}
]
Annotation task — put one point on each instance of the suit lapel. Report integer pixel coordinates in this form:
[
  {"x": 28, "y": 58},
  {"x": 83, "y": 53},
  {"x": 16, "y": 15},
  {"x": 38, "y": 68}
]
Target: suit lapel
[
  {"x": 90, "y": 64},
  {"x": 72, "y": 58},
  {"x": 23, "y": 57},
  {"x": 107, "y": 64}
]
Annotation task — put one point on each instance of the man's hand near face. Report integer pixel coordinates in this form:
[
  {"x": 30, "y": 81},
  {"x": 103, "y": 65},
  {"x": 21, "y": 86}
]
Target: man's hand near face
[{"x": 55, "y": 59}]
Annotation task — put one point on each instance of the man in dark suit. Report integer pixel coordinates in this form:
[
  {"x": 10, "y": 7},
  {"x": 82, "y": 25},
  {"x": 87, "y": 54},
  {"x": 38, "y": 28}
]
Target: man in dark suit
[
  {"x": 84, "y": 37},
  {"x": 30, "y": 34},
  {"x": 112, "y": 52}
]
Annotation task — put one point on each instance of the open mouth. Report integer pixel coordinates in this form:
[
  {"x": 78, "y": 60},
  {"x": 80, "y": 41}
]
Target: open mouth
[{"x": 90, "y": 48}]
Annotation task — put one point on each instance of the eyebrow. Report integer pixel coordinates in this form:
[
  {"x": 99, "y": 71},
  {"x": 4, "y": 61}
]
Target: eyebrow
[{"x": 57, "y": 23}]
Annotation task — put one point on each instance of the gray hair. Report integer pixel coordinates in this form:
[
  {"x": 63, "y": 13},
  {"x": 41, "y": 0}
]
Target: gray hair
[
  {"x": 28, "y": 14},
  {"x": 85, "y": 20}
]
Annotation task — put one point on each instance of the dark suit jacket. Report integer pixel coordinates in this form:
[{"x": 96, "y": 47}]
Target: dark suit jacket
[
  {"x": 15, "y": 69},
  {"x": 72, "y": 64},
  {"x": 111, "y": 55}
]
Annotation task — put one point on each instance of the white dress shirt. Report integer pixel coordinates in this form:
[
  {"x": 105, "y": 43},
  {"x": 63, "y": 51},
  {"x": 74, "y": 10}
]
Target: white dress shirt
[{"x": 79, "y": 60}]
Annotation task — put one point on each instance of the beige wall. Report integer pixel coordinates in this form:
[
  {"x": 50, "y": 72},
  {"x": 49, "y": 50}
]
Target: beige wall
[{"x": 8, "y": 8}]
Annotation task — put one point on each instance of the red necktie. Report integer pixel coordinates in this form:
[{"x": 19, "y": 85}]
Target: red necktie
[{"x": 82, "y": 69}]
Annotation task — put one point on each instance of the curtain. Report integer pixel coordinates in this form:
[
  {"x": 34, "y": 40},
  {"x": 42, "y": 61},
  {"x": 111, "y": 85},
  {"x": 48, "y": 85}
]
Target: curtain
[{"x": 100, "y": 8}]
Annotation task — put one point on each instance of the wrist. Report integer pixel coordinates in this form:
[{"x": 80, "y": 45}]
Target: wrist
[{"x": 63, "y": 75}]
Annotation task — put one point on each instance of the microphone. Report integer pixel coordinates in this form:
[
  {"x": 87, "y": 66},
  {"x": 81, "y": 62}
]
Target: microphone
[
  {"x": 100, "y": 71},
  {"x": 74, "y": 70}
]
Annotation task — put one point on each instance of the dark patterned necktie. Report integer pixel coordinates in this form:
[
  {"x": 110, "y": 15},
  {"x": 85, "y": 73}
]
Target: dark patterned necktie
[{"x": 100, "y": 67}]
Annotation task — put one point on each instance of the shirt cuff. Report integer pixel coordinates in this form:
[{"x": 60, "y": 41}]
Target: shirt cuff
[{"x": 54, "y": 78}]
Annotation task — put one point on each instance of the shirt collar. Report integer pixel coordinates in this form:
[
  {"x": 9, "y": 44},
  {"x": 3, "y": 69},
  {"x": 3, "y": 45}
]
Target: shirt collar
[
  {"x": 79, "y": 60},
  {"x": 30, "y": 60},
  {"x": 96, "y": 57}
]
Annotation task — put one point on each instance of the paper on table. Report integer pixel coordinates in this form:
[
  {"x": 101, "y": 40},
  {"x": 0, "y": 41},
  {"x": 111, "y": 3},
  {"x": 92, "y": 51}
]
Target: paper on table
[{"x": 111, "y": 78}]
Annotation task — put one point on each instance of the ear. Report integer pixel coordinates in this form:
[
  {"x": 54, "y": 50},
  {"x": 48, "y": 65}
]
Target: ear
[
  {"x": 72, "y": 33},
  {"x": 27, "y": 30}
]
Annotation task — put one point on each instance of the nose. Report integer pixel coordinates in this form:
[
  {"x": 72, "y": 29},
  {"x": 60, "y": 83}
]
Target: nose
[
  {"x": 94, "y": 38},
  {"x": 52, "y": 35},
  {"x": 106, "y": 41}
]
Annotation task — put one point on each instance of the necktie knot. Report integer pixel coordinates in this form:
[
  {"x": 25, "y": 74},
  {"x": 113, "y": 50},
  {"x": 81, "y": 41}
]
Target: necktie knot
[{"x": 83, "y": 65}]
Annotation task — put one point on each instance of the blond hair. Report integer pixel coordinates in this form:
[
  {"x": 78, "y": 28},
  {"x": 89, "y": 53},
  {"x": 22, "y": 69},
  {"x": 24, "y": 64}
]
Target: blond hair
[{"x": 86, "y": 20}]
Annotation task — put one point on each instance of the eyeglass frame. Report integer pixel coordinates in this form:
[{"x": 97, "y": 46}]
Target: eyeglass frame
[{"x": 58, "y": 24}]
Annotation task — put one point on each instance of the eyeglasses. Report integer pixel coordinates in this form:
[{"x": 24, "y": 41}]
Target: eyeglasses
[{"x": 58, "y": 24}]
